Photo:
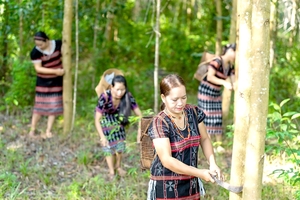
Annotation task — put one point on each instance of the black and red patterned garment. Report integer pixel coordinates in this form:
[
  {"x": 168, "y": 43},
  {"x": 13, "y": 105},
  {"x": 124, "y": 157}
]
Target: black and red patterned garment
[
  {"x": 164, "y": 183},
  {"x": 210, "y": 98},
  {"x": 48, "y": 91},
  {"x": 112, "y": 128}
]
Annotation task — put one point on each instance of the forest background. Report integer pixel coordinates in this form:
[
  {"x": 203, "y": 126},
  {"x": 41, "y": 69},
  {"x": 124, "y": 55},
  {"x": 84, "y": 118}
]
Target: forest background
[{"x": 120, "y": 34}]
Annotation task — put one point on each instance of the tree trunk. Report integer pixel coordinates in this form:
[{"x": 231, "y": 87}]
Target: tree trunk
[
  {"x": 156, "y": 61},
  {"x": 219, "y": 27},
  {"x": 259, "y": 95},
  {"x": 242, "y": 103},
  {"x": 76, "y": 64},
  {"x": 5, "y": 24},
  {"x": 67, "y": 64},
  {"x": 226, "y": 95},
  {"x": 273, "y": 31},
  {"x": 21, "y": 31},
  {"x": 109, "y": 33}
]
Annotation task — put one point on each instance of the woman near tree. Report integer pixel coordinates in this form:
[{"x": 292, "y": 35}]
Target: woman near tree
[
  {"x": 111, "y": 116},
  {"x": 46, "y": 58},
  {"x": 210, "y": 94},
  {"x": 177, "y": 132}
]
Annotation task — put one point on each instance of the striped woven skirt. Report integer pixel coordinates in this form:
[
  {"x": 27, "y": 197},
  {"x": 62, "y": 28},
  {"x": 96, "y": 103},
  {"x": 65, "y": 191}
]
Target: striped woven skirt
[
  {"x": 210, "y": 101},
  {"x": 48, "y": 96}
]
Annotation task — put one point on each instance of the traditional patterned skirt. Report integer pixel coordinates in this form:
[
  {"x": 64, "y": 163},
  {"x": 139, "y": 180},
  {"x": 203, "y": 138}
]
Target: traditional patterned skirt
[
  {"x": 165, "y": 190},
  {"x": 48, "y": 96},
  {"x": 210, "y": 101}
]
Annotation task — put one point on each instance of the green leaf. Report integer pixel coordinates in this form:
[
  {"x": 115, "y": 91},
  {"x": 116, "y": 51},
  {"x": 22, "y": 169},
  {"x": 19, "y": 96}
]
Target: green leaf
[
  {"x": 295, "y": 116},
  {"x": 276, "y": 107},
  {"x": 16, "y": 102},
  {"x": 284, "y": 102},
  {"x": 289, "y": 114}
]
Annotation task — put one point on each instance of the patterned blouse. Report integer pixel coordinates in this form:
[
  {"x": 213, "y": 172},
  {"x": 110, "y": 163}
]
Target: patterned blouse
[
  {"x": 222, "y": 73},
  {"x": 112, "y": 128},
  {"x": 168, "y": 184}
]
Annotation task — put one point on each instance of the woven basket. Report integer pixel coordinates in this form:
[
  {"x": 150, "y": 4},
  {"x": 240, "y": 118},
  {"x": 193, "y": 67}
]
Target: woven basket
[
  {"x": 103, "y": 84},
  {"x": 146, "y": 146}
]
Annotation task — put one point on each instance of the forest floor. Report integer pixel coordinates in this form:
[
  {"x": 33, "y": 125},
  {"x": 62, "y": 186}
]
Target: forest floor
[{"x": 73, "y": 167}]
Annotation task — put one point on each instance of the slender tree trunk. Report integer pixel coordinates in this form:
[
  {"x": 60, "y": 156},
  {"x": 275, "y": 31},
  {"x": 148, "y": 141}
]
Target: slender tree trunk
[
  {"x": 67, "y": 64},
  {"x": 109, "y": 33},
  {"x": 242, "y": 102},
  {"x": 259, "y": 95},
  {"x": 5, "y": 16},
  {"x": 273, "y": 31},
  {"x": 20, "y": 31},
  {"x": 219, "y": 27},
  {"x": 76, "y": 64},
  {"x": 226, "y": 95},
  {"x": 156, "y": 61}
]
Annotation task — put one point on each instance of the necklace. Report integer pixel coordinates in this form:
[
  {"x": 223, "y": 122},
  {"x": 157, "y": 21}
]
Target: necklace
[{"x": 178, "y": 130}]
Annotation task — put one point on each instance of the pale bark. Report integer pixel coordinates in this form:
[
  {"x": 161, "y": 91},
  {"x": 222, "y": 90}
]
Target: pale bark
[
  {"x": 156, "y": 59},
  {"x": 76, "y": 64},
  {"x": 67, "y": 64},
  {"x": 242, "y": 102},
  {"x": 226, "y": 95},
  {"x": 273, "y": 31},
  {"x": 219, "y": 27},
  {"x": 259, "y": 95}
]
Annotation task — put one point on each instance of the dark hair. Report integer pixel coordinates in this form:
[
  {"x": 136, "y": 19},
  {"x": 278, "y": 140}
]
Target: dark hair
[
  {"x": 227, "y": 47},
  {"x": 41, "y": 36},
  {"x": 169, "y": 82},
  {"x": 125, "y": 104}
]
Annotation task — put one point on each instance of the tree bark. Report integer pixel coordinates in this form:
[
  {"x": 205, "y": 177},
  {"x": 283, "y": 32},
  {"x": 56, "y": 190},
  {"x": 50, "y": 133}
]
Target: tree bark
[
  {"x": 4, "y": 67},
  {"x": 156, "y": 59},
  {"x": 109, "y": 33},
  {"x": 226, "y": 95},
  {"x": 242, "y": 103},
  {"x": 273, "y": 31},
  {"x": 219, "y": 27},
  {"x": 67, "y": 64},
  {"x": 259, "y": 95}
]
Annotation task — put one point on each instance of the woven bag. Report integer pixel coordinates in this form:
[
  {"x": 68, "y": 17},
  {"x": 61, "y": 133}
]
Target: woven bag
[
  {"x": 203, "y": 66},
  {"x": 146, "y": 146},
  {"x": 103, "y": 85}
]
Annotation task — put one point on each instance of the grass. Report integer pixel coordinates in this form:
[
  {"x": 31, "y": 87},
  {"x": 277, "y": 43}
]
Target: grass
[{"x": 74, "y": 168}]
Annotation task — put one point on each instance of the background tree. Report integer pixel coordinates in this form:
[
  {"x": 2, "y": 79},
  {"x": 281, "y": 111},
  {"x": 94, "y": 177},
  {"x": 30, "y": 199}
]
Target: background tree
[
  {"x": 67, "y": 64},
  {"x": 258, "y": 99},
  {"x": 242, "y": 103}
]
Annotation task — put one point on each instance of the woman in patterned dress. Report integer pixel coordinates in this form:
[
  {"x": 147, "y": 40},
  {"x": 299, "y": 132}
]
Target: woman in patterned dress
[
  {"x": 46, "y": 58},
  {"x": 209, "y": 91},
  {"x": 177, "y": 131},
  {"x": 111, "y": 116}
]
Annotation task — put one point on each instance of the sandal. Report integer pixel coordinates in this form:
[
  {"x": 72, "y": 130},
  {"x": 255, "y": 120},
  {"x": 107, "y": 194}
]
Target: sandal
[{"x": 121, "y": 172}]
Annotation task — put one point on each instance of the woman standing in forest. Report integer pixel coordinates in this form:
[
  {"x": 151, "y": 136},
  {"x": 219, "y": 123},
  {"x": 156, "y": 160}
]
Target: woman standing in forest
[
  {"x": 176, "y": 132},
  {"x": 210, "y": 95},
  {"x": 46, "y": 58},
  {"x": 111, "y": 116}
]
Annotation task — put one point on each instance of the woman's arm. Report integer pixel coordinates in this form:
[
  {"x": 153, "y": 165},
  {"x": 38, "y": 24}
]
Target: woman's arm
[
  {"x": 138, "y": 112},
  {"x": 43, "y": 70},
  {"x": 163, "y": 150},
  {"x": 208, "y": 150},
  {"x": 211, "y": 77},
  {"x": 103, "y": 139}
]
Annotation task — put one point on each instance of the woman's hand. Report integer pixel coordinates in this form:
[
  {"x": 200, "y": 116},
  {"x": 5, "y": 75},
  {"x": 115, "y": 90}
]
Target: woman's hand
[
  {"x": 104, "y": 142},
  {"x": 60, "y": 72},
  {"x": 206, "y": 175},
  {"x": 227, "y": 85},
  {"x": 216, "y": 171}
]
